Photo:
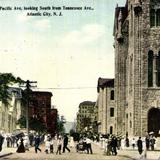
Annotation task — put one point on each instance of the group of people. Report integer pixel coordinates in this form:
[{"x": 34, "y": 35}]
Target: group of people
[
  {"x": 59, "y": 141},
  {"x": 111, "y": 145},
  {"x": 23, "y": 142},
  {"x": 84, "y": 144}
]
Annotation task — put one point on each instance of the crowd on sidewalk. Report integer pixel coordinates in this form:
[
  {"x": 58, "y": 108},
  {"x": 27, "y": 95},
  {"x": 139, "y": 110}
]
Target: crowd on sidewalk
[
  {"x": 22, "y": 142},
  {"x": 58, "y": 144}
]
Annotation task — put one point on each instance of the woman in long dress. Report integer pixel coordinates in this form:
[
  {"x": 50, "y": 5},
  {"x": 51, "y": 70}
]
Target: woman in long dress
[{"x": 21, "y": 148}]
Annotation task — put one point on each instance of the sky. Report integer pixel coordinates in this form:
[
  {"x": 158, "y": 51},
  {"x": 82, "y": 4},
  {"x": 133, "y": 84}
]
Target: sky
[{"x": 65, "y": 54}]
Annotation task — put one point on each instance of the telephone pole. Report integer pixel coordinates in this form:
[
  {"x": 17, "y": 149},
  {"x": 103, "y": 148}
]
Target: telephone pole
[{"x": 28, "y": 91}]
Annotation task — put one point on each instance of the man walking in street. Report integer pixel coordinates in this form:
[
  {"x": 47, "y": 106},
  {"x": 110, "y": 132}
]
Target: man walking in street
[
  {"x": 114, "y": 145},
  {"x": 37, "y": 142},
  {"x": 65, "y": 143},
  {"x": 140, "y": 146},
  {"x": 88, "y": 144}
]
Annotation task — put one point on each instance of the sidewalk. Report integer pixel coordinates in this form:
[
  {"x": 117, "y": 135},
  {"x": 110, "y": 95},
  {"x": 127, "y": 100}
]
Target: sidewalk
[
  {"x": 133, "y": 153},
  {"x": 7, "y": 151}
]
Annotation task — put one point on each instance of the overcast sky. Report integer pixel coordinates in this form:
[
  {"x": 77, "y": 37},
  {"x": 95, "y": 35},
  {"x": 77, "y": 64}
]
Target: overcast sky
[{"x": 68, "y": 53}]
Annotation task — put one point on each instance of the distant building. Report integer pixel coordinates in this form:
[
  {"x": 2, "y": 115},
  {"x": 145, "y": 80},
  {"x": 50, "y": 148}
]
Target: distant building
[
  {"x": 85, "y": 116},
  {"x": 69, "y": 126},
  {"x": 106, "y": 106}
]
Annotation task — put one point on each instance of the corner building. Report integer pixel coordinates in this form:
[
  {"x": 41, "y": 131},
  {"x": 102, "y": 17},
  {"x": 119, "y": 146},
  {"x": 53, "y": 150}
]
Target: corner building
[{"x": 137, "y": 67}]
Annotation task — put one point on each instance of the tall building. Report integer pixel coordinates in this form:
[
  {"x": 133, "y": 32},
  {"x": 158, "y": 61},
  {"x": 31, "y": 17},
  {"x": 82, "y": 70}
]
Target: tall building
[
  {"x": 85, "y": 116},
  {"x": 137, "y": 67},
  {"x": 40, "y": 107},
  {"x": 106, "y": 106}
]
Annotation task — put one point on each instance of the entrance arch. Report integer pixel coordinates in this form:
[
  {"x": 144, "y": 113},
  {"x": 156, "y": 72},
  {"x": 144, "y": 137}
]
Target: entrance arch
[{"x": 154, "y": 120}]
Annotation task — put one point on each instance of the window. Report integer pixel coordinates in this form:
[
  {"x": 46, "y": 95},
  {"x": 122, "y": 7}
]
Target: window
[
  {"x": 111, "y": 112},
  {"x": 127, "y": 115},
  {"x": 150, "y": 69},
  {"x": 158, "y": 70},
  {"x": 112, "y": 95},
  {"x": 130, "y": 124},
  {"x": 154, "y": 17},
  {"x": 158, "y": 17}
]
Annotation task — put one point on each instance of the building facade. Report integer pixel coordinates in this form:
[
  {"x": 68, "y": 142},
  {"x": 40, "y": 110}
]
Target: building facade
[
  {"x": 40, "y": 107},
  {"x": 137, "y": 67},
  {"x": 106, "y": 106},
  {"x": 86, "y": 116},
  {"x": 11, "y": 112}
]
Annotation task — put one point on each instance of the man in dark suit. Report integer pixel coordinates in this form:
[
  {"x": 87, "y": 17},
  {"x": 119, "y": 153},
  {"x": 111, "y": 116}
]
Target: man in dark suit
[{"x": 65, "y": 143}]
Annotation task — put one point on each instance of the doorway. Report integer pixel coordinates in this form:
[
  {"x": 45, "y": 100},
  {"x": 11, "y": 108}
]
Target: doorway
[{"x": 154, "y": 121}]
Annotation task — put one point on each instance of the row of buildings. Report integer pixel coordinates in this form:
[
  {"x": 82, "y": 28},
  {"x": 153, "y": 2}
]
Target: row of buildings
[
  {"x": 39, "y": 107},
  {"x": 129, "y": 104}
]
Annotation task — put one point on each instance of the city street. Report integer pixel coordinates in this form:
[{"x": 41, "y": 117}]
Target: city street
[{"x": 73, "y": 155}]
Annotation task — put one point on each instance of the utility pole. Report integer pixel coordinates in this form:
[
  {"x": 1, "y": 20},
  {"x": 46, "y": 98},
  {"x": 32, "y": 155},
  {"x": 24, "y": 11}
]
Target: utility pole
[{"x": 28, "y": 91}]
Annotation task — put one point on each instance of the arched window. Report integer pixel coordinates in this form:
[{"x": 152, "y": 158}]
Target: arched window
[
  {"x": 158, "y": 70},
  {"x": 111, "y": 130},
  {"x": 112, "y": 95},
  {"x": 152, "y": 17},
  {"x": 150, "y": 69}
]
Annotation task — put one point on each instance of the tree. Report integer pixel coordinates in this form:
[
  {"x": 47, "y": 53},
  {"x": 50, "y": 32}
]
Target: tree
[
  {"x": 71, "y": 132},
  {"x": 34, "y": 124},
  {"x": 60, "y": 125},
  {"x": 6, "y": 80}
]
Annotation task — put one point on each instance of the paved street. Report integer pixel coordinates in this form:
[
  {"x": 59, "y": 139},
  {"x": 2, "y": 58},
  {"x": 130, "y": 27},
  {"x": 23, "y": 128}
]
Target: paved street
[{"x": 73, "y": 155}]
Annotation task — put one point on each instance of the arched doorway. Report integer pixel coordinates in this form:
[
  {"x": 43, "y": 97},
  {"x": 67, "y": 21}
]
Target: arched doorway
[{"x": 154, "y": 120}]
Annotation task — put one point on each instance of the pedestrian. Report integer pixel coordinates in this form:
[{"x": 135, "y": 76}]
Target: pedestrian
[
  {"x": 133, "y": 143},
  {"x": 59, "y": 145},
  {"x": 1, "y": 141},
  {"x": 37, "y": 143},
  {"x": 147, "y": 142},
  {"x": 51, "y": 145},
  {"x": 107, "y": 147},
  {"x": 152, "y": 143},
  {"x": 127, "y": 142},
  {"x": 71, "y": 144},
  {"x": 8, "y": 141},
  {"x": 114, "y": 145},
  {"x": 21, "y": 148},
  {"x": 65, "y": 143},
  {"x": 47, "y": 145},
  {"x": 26, "y": 142},
  {"x": 140, "y": 146},
  {"x": 88, "y": 145}
]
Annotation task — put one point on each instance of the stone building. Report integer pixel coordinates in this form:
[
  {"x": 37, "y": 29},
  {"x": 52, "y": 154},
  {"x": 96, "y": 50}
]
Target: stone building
[
  {"x": 11, "y": 112},
  {"x": 137, "y": 67},
  {"x": 106, "y": 106},
  {"x": 86, "y": 116}
]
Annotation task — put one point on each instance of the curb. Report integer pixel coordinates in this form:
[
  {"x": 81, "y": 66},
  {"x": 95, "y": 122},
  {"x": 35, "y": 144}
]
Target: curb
[{"x": 7, "y": 154}]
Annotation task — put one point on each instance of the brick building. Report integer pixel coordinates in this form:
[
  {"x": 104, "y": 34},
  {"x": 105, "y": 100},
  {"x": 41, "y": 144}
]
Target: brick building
[
  {"x": 137, "y": 67},
  {"x": 40, "y": 107}
]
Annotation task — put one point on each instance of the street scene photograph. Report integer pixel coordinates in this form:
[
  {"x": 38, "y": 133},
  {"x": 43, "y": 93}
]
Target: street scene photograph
[{"x": 80, "y": 80}]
